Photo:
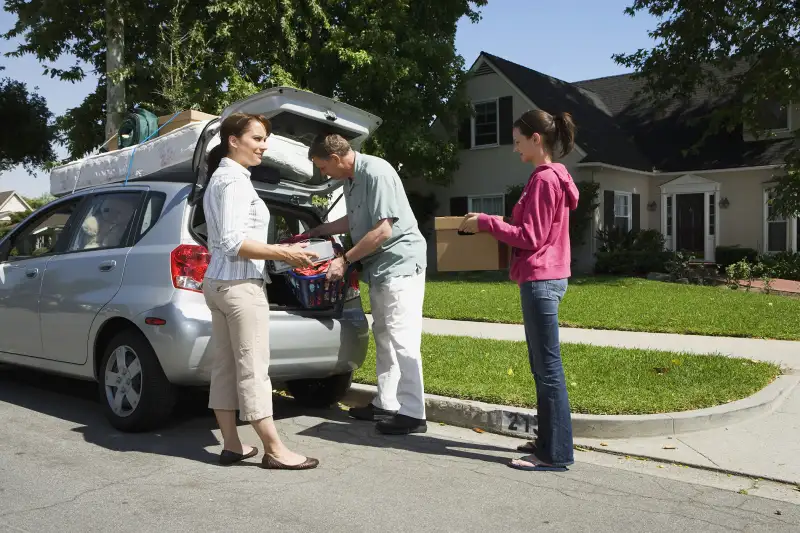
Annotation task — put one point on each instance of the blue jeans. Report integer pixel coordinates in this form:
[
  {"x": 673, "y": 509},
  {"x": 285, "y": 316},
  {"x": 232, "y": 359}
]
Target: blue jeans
[{"x": 540, "y": 301}]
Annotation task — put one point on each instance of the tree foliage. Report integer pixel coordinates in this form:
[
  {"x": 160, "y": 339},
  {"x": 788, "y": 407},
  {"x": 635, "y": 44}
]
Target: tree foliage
[
  {"x": 744, "y": 49},
  {"x": 26, "y": 137},
  {"x": 394, "y": 58}
]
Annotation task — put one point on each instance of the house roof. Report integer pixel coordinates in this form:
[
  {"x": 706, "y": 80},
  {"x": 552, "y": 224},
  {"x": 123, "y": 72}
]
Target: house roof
[
  {"x": 618, "y": 125},
  {"x": 598, "y": 134},
  {"x": 667, "y": 136},
  {"x": 5, "y": 196}
]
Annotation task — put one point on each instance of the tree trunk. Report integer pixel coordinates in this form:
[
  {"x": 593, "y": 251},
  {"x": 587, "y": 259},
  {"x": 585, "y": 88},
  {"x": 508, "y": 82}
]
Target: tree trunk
[{"x": 115, "y": 81}]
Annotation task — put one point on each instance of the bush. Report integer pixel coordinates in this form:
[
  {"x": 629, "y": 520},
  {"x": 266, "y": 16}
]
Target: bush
[
  {"x": 616, "y": 240},
  {"x": 631, "y": 262},
  {"x": 631, "y": 252},
  {"x": 784, "y": 265},
  {"x": 730, "y": 255}
]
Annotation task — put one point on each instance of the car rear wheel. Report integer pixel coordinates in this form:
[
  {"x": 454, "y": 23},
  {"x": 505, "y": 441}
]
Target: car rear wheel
[
  {"x": 134, "y": 392},
  {"x": 322, "y": 392}
]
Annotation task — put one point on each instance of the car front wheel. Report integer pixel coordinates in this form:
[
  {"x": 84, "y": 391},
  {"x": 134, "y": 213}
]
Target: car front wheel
[
  {"x": 134, "y": 392},
  {"x": 323, "y": 392}
]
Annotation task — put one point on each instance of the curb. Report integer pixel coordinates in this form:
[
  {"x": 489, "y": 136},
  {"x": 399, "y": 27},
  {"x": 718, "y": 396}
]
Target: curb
[
  {"x": 740, "y": 473},
  {"x": 520, "y": 422}
]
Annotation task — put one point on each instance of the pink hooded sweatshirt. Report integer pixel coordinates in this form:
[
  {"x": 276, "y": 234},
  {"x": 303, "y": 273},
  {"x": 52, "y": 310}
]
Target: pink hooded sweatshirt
[{"x": 539, "y": 228}]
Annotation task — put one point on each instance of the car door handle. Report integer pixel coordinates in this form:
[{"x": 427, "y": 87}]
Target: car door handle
[
  {"x": 107, "y": 266},
  {"x": 32, "y": 272}
]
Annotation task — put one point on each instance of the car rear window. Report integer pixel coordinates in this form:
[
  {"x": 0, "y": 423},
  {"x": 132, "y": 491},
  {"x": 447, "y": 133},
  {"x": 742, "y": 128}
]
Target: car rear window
[{"x": 152, "y": 212}]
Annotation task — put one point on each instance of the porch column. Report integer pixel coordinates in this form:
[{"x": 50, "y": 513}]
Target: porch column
[{"x": 669, "y": 240}]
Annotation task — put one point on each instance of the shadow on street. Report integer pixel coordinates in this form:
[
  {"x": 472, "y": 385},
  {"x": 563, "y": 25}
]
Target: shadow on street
[{"x": 190, "y": 430}]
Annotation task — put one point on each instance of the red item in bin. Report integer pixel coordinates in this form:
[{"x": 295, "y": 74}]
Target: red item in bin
[
  {"x": 295, "y": 239},
  {"x": 309, "y": 283}
]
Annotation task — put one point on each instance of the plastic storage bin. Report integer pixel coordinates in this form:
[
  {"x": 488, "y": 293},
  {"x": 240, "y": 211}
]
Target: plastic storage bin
[{"x": 311, "y": 292}]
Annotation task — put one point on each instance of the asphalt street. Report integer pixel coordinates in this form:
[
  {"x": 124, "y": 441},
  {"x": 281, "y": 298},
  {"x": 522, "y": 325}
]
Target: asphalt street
[{"x": 63, "y": 468}]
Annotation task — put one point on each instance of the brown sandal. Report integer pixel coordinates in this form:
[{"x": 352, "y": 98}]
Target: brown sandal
[{"x": 273, "y": 464}]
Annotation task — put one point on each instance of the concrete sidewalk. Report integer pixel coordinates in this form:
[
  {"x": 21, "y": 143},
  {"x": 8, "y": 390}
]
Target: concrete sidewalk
[
  {"x": 766, "y": 447},
  {"x": 763, "y": 447},
  {"x": 784, "y": 353}
]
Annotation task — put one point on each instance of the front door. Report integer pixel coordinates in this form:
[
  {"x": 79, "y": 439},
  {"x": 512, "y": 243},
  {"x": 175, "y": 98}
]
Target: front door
[
  {"x": 23, "y": 262},
  {"x": 690, "y": 224},
  {"x": 79, "y": 282}
]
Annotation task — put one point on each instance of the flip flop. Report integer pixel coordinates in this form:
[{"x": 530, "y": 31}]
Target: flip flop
[
  {"x": 227, "y": 457},
  {"x": 535, "y": 465}
]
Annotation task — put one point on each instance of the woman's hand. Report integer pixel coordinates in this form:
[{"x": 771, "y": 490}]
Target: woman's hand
[
  {"x": 470, "y": 223},
  {"x": 296, "y": 256}
]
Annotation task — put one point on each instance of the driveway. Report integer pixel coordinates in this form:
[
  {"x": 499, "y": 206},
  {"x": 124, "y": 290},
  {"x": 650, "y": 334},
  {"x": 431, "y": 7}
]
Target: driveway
[{"x": 62, "y": 468}]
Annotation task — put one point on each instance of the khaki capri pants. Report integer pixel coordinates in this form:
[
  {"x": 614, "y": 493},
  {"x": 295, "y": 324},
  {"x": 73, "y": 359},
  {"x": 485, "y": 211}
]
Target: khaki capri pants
[{"x": 239, "y": 347}]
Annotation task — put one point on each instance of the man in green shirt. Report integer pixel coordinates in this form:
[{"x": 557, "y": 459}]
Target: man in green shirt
[{"x": 393, "y": 253}]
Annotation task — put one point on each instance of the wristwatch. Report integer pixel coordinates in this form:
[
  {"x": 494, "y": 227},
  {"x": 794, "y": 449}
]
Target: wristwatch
[{"x": 345, "y": 259}]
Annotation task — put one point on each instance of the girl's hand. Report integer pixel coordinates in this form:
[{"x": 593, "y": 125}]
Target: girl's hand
[{"x": 470, "y": 223}]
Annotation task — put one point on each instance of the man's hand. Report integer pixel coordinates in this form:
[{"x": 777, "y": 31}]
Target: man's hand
[
  {"x": 470, "y": 223},
  {"x": 335, "y": 270}
]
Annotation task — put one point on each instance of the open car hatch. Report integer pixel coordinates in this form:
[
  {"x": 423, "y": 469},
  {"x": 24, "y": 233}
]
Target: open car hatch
[{"x": 297, "y": 117}]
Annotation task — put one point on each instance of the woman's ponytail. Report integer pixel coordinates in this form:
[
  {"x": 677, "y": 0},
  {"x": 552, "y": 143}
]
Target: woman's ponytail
[
  {"x": 215, "y": 157},
  {"x": 565, "y": 132}
]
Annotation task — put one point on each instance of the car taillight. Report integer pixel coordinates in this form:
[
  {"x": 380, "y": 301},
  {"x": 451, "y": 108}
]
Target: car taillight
[
  {"x": 353, "y": 290},
  {"x": 188, "y": 263}
]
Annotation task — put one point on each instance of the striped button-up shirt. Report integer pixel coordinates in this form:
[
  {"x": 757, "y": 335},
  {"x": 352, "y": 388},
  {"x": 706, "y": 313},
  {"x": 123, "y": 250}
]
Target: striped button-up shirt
[{"x": 234, "y": 212}]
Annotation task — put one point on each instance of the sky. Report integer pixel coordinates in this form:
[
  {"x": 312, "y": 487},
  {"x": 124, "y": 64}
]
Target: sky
[{"x": 571, "y": 40}]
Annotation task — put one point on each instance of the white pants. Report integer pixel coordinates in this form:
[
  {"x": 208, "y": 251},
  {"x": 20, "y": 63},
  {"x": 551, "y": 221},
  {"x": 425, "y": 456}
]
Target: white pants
[{"x": 397, "y": 327}]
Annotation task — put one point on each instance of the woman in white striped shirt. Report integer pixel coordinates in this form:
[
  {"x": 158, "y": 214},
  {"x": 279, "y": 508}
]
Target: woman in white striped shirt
[{"x": 234, "y": 289}]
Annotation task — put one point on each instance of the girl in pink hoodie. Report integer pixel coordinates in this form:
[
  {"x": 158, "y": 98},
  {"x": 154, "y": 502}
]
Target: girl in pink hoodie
[{"x": 538, "y": 232}]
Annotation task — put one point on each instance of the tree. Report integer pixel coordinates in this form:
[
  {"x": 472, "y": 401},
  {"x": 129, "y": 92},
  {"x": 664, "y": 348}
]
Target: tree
[
  {"x": 27, "y": 136},
  {"x": 395, "y": 58},
  {"x": 744, "y": 49}
]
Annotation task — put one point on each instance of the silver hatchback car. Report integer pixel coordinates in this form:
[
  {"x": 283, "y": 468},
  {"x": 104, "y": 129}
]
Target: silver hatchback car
[{"x": 105, "y": 283}]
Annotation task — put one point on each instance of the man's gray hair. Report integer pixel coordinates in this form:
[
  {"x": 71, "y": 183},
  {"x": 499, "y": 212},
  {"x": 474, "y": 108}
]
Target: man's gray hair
[{"x": 326, "y": 145}]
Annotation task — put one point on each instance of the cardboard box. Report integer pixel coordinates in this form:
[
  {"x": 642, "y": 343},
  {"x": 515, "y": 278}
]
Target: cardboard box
[
  {"x": 183, "y": 118},
  {"x": 464, "y": 253}
]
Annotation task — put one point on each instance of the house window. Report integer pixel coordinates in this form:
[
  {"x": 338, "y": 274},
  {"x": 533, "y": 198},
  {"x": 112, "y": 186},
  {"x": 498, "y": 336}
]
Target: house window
[
  {"x": 773, "y": 116},
  {"x": 712, "y": 214},
  {"x": 485, "y": 124},
  {"x": 622, "y": 210},
  {"x": 669, "y": 216},
  {"x": 777, "y": 228},
  {"x": 491, "y": 205}
]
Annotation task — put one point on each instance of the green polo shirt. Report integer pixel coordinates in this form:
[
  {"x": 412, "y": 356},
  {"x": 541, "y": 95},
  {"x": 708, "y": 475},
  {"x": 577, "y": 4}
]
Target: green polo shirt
[{"x": 375, "y": 193}]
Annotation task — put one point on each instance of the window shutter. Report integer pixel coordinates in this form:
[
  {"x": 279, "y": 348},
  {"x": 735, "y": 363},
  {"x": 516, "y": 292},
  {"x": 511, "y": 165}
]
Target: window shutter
[
  {"x": 608, "y": 209},
  {"x": 636, "y": 224},
  {"x": 506, "y": 110},
  {"x": 459, "y": 206},
  {"x": 465, "y": 134}
]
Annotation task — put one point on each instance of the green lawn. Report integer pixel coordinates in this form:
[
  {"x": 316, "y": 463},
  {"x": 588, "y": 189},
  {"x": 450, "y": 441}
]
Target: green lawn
[
  {"x": 599, "y": 380},
  {"x": 630, "y": 304}
]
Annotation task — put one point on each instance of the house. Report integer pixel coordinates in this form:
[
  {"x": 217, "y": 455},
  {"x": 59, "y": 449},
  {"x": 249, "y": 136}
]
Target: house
[
  {"x": 640, "y": 155},
  {"x": 11, "y": 202}
]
